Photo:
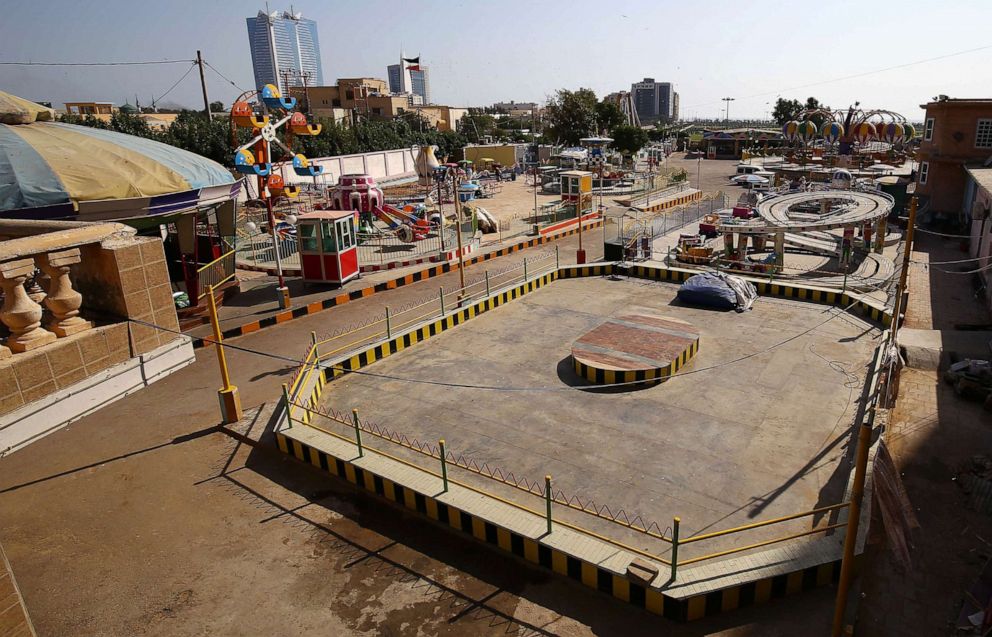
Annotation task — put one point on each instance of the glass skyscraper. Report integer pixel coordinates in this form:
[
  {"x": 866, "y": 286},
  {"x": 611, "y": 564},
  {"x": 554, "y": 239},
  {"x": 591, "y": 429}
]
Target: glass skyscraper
[
  {"x": 284, "y": 50},
  {"x": 419, "y": 82}
]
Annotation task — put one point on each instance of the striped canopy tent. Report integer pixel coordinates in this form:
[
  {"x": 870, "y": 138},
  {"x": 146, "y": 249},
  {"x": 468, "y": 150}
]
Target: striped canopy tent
[{"x": 51, "y": 170}]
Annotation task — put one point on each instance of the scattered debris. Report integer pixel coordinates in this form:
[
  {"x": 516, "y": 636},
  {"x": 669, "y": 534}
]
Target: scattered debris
[{"x": 898, "y": 517}]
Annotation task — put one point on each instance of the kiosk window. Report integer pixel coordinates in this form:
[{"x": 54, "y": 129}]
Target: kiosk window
[
  {"x": 345, "y": 239},
  {"x": 308, "y": 237},
  {"x": 327, "y": 237}
]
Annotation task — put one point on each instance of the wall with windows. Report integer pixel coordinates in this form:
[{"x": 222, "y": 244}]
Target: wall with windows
[{"x": 956, "y": 132}]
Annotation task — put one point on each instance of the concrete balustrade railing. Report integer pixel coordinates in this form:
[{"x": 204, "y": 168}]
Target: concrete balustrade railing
[{"x": 40, "y": 304}]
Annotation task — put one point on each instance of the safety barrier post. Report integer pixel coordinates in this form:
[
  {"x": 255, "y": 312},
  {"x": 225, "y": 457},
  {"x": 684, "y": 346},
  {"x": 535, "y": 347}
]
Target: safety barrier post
[
  {"x": 389, "y": 325},
  {"x": 547, "y": 498},
  {"x": 557, "y": 263},
  {"x": 487, "y": 284},
  {"x": 675, "y": 545},
  {"x": 441, "y": 294},
  {"x": 525, "y": 269},
  {"x": 289, "y": 407},
  {"x": 358, "y": 433},
  {"x": 444, "y": 466}
]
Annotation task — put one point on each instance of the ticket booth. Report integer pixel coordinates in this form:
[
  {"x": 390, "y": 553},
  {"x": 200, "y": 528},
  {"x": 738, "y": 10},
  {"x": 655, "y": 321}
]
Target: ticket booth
[{"x": 328, "y": 246}]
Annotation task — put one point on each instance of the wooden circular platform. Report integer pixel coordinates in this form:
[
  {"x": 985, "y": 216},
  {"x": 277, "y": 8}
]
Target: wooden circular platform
[{"x": 634, "y": 347}]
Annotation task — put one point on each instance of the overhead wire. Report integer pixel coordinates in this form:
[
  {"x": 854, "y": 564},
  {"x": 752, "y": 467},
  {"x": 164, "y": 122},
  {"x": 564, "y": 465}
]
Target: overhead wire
[
  {"x": 162, "y": 96},
  {"x": 224, "y": 77},
  {"x": 94, "y": 63}
]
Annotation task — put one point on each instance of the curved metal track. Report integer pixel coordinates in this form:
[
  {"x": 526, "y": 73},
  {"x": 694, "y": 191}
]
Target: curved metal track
[{"x": 848, "y": 208}]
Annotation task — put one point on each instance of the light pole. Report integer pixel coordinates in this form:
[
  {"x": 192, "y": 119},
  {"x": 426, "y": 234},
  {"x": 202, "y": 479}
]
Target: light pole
[{"x": 728, "y": 100}]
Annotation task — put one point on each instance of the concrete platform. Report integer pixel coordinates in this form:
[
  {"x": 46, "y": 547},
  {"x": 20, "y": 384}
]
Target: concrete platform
[
  {"x": 927, "y": 349},
  {"x": 758, "y": 427},
  {"x": 634, "y": 347}
]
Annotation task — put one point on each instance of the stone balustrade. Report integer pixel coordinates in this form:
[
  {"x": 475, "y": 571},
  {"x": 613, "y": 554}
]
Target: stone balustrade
[{"x": 39, "y": 302}]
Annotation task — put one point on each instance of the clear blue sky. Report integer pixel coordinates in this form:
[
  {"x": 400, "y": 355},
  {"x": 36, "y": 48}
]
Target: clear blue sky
[{"x": 481, "y": 52}]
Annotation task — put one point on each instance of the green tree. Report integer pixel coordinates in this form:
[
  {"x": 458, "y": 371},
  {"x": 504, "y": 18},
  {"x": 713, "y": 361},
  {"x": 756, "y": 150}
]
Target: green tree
[
  {"x": 217, "y": 107},
  {"x": 786, "y": 110},
  {"x": 476, "y": 125},
  {"x": 208, "y": 137},
  {"x": 570, "y": 115},
  {"x": 629, "y": 139},
  {"x": 131, "y": 124},
  {"x": 609, "y": 116}
]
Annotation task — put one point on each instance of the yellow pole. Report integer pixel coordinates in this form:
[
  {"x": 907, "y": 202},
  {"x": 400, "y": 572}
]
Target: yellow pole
[
  {"x": 230, "y": 401},
  {"x": 897, "y": 307},
  {"x": 853, "y": 520}
]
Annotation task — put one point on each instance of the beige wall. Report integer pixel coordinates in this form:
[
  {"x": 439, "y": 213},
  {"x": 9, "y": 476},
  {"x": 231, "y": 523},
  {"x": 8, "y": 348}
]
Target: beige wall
[{"x": 120, "y": 281}]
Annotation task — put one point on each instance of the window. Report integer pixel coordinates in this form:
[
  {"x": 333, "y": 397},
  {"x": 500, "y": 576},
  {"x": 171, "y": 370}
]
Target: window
[
  {"x": 924, "y": 171},
  {"x": 308, "y": 237},
  {"x": 324, "y": 101},
  {"x": 336, "y": 103},
  {"x": 344, "y": 235},
  {"x": 928, "y": 130},
  {"x": 983, "y": 134},
  {"x": 327, "y": 234},
  {"x": 349, "y": 94},
  {"x": 377, "y": 111}
]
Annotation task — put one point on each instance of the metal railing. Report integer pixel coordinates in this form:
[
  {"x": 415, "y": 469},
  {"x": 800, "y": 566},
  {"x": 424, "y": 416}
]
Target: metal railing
[
  {"x": 218, "y": 271},
  {"x": 381, "y": 329}
]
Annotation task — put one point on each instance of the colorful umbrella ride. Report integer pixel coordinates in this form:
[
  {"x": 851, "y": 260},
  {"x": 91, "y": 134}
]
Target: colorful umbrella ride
[
  {"x": 891, "y": 132},
  {"x": 863, "y": 132},
  {"x": 51, "y": 170},
  {"x": 832, "y": 131},
  {"x": 806, "y": 131},
  {"x": 791, "y": 130}
]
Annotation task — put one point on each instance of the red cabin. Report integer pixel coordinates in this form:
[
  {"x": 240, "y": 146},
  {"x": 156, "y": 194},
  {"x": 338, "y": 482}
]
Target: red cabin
[{"x": 328, "y": 246}]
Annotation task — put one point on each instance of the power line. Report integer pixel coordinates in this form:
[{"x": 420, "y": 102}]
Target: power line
[
  {"x": 229, "y": 80},
  {"x": 93, "y": 63},
  {"x": 853, "y": 76},
  {"x": 188, "y": 71}
]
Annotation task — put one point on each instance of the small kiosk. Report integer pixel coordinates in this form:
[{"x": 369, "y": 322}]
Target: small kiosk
[{"x": 328, "y": 246}]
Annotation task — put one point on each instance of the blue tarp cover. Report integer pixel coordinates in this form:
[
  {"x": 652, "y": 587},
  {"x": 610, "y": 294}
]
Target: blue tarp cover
[{"x": 709, "y": 290}]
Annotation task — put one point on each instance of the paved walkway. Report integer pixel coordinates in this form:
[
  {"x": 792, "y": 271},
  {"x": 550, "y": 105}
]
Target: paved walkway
[
  {"x": 257, "y": 301},
  {"x": 932, "y": 434}
]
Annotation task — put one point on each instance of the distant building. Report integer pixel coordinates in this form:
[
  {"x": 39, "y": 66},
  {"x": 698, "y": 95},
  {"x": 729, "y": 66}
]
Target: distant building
[
  {"x": 978, "y": 210},
  {"x": 410, "y": 78},
  {"x": 353, "y": 98},
  {"x": 956, "y": 132},
  {"x": 285, "y": 50},
  {"x": 517, "y": 109},
  {"x": 443, "y": 118},
  {"x": 90, "y": 108},
  {"x": 654, "y": 101}
]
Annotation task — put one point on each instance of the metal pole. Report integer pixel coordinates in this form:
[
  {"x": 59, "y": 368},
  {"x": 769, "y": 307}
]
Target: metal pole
[
  {"x": 675, "y": 545},
  {"x": 444, "y": 466},
  {"x": 525, "y": 269},
  {"x": 897, "y": 307},
  {"x": 441, "y": 294},
  {"x": 203, "y": 85},
  {"x": 458, "y": 221},
  {"x": 218, "y": 339},
  {"x": 389, "y": 329},
  {"x": 557, "y": 262},
  {"x": 358, "y": 433},
  {"x": 853, "y": 519},
  {"x": 313, "y": 342},
  {"x": 289, "y": 407},
  {"x": 440, "y": 210},
  {"x": 547, "y": 498},
  {"x": 487, "y": 284}
]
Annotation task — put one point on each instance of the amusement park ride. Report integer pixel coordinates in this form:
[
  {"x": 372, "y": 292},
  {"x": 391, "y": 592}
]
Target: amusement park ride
[{"x": 851, "y": 130}]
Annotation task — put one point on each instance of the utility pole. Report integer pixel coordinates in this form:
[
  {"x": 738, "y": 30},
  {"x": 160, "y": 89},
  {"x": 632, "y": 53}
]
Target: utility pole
[
  {"x": 728, "y": 100},
  {"x": 203, "y": 85},
  {"x": 455, "y": 182}
]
